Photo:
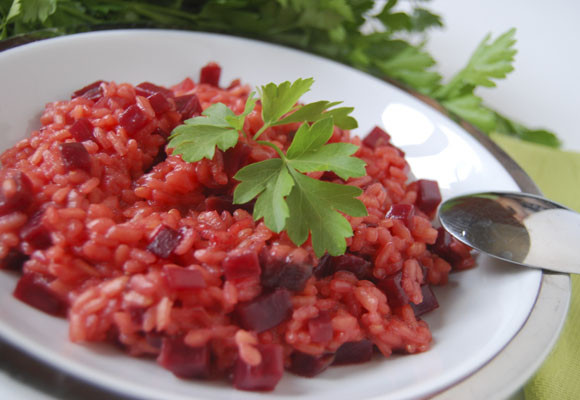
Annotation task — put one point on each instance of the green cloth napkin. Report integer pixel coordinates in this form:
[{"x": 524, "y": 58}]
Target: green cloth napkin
[{"x": 557, "y": 174}]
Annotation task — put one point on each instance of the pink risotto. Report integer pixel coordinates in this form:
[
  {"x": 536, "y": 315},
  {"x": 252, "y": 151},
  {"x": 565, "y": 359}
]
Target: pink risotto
[{"x": 138, "y": 248}]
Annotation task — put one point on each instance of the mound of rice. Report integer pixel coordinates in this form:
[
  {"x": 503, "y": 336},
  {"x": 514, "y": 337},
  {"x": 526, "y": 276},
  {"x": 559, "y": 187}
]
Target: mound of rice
[{"x": 141, "y": 249}]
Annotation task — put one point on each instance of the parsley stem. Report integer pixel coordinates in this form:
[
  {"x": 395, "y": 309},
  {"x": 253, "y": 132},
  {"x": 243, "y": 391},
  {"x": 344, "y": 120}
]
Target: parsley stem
[
  {"x": 272, "y": 145},
  {"x": 260, "y": 131}
]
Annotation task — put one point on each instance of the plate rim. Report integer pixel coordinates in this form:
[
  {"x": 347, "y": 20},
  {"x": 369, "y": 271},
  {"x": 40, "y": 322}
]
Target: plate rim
[{"x": 554, "y": 290}]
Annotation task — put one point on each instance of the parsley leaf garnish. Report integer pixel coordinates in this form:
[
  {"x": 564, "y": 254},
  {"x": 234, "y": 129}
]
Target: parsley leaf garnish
[{"x": 286, "y": 198}]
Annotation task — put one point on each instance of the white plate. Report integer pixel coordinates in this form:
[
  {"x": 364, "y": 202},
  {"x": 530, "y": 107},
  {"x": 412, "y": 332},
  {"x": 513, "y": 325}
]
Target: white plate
[{"x": 481, "y": 310}]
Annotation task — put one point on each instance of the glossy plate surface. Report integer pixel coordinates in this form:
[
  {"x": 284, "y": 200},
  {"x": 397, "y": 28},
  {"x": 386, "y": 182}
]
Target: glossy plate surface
[{"x": 481, "y": 310}]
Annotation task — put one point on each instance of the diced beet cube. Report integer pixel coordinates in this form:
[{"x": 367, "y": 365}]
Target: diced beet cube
[
  {"x": 354, "y": 352},
  {"x": 320, "y": 328},
  {"x": 32, "y": 289},
  {"x": 184, "y": 361},
  {"x": 14, "y": 260},
  {"x": 94, "y": 91},
  {"x": 403, "y": 212},
  {"x": 452, "y": 250},
  {"x": 35, "y": 233},
  {"x": 324, "y": 267},
  {"x": 210, "y": 74},
  {"x": 219, "y": 204},
  {"x": 264, "y": 376},
  {"x": 188, "y": 106},
  {"x": 160, "y": 103},
  {"x": 328, "y": 265},
  {"x": 82, "y": 130},
  {"x": 154, "y": 339},
  {"x": 428, "y": 196},
  {"x": 284, "y": 273},
  {"x": 241, "y": 265},
  {"x": 376, "y": 137},
  {"x": 164, "y": 242},
  {"x": 442, "y": 246},
  {"x": 15, "y": 192},
  {"x": 146, "y": 89},
  {"x": 185, "y": 85},
  {"x": 265, "y": 311},
  {"x": 329, "y": 176},
  {"x": 308, "y": 365},
  {"x": 183, "y": 278},
  {"x": 429, "y": 302},
  {"x": 75, "y": 156},
  {"x": 236, "y": 157},
  {"x": 392, "y": 287},
  {"x": 132, "y": 119}
]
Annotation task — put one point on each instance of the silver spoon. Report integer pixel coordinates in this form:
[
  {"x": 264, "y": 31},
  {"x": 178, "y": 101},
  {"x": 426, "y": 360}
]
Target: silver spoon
[{"x": 517, "y": 227}]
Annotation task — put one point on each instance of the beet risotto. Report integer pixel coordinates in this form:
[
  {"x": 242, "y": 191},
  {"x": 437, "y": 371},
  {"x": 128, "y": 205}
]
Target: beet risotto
[{"x": 136, "y": 247}]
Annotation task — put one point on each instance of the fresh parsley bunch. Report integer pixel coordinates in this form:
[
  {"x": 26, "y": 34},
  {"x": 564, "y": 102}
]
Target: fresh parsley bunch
[
  {"x": 374, "y": 36},
  {"x": 286, "y": 198}
]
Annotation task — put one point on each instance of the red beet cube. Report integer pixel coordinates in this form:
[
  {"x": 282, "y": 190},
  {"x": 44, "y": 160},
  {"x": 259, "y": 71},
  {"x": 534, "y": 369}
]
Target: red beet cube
[
  {"x": 265, "y": 311},
  {"x": 280, "y": 272},
  {"x": 429, "y": 302},
  {"x": 236, "y": 157},
  {"x": 33, "y": 289},
  {"x": 91, "y": 92},
  {"x": 184, "y": 361},
  {"x": 242, "y": 265},
  {"x": 403, "y": 212},
  {"x": 35, "y": 233},
  {"x": 132, "y": 119},
  {"x": 320, "y": 328},
  {"x": 264, "y": 376},
  {"x": 452, "y": 250},
  {"x": 15, "y": 192},
  {"x": 188, "y": 106},
  {"x": 160, "y": 103},
  {"x": 354, "y": 352},
  {"x": 179, "y": 278},
  {"x": 328, "y": 265},
  {"x": 377, "y": 137},
  {"x": 75, "y": 156},
  {"x": 428, "y": 196},
  {"x": 210, "y": 74},
  {"x": 164, "y": 242},
  {"x": 14, "y": 260},
  {"x": 308, "y": 365},
  {"x": 146, "y": 89},
  {"x": 82, "y": 130},
  {"x": 391, "y": 286}
]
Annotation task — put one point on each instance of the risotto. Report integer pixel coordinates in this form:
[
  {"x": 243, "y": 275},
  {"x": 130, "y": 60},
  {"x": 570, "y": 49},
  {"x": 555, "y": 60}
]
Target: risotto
[{"x": 138, "y": 248}]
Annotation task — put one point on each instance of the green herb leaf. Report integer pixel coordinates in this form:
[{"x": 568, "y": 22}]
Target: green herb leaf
[
  {"x": 314, "y": 207},
  {"x": 308, "y": 152},
  {"x": 313, "y": 112},
  {"x": 469, "y": 108},
  {"x": 198, "y": 137},
  {"x": 270, "y": 181},
  {"x": 278, "y": 100},
  {"x": 283, "y": 192},
  {"x": 410, "y": 65},
  {"x": 489, "y": 61},
  {"x": 36, "y": 10}
]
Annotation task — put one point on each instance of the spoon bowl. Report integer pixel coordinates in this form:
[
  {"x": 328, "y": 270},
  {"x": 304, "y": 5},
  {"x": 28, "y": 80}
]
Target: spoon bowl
[{"x": 525, "y": 229}]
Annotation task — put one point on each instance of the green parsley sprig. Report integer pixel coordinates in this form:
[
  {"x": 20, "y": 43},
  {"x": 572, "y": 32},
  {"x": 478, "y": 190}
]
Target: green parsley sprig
[
  {"x": 286, "y": 198},
  {"x": 376, "y": 37}
]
